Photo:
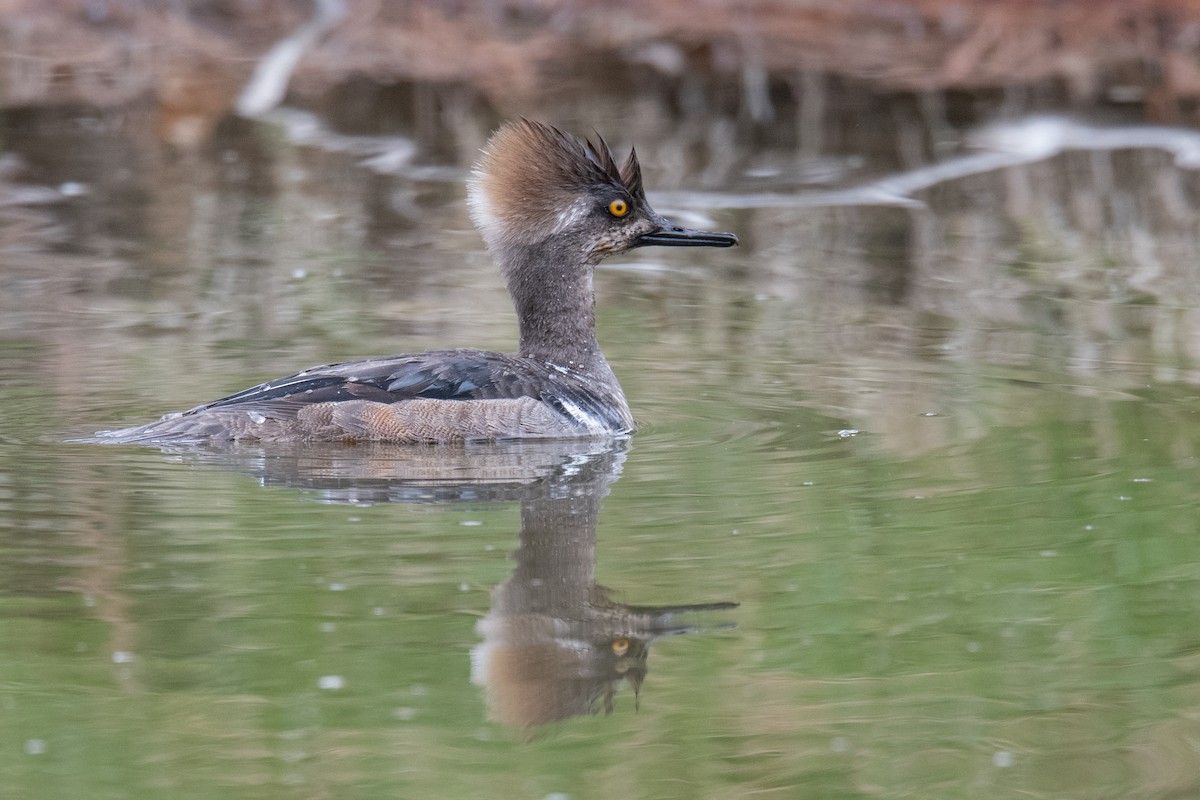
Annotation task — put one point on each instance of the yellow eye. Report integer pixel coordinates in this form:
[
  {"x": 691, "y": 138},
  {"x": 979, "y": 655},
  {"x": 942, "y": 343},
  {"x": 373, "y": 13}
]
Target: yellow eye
[
  {"x": 621, "y": 646},
  {"x": 618, "y": 208}
]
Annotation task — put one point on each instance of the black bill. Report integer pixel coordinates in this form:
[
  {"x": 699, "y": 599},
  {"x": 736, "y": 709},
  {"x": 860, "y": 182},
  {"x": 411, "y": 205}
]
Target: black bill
[{"x": 674, "y": 236}]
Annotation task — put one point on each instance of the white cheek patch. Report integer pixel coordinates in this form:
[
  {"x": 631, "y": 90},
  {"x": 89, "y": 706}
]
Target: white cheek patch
[{"x": 481, "y": 208}]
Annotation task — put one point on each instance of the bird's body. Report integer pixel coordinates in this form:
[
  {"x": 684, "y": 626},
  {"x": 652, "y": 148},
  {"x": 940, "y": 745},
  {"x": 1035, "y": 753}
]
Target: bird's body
[
  {"x": 438, "y": 396},
  {"x": 550, "y": 207}
]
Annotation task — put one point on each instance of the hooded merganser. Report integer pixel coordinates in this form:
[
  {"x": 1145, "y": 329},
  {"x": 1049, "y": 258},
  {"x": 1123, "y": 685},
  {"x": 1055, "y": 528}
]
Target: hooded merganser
[{"x": 550, "y": 207}]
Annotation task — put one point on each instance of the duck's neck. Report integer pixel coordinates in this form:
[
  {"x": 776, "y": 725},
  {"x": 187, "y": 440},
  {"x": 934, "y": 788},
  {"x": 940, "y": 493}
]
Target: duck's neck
[{"x": 551, "y": 287}]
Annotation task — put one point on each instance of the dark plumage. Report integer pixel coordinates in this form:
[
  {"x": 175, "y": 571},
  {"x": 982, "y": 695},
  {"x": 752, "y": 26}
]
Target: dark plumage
[{"x": 550, "y": 206}]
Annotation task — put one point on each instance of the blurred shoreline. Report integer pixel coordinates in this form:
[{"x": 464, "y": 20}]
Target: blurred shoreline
[{"x": 754, "y": 60}]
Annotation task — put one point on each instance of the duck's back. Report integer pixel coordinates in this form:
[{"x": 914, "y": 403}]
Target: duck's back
[{"x": 435, "y": 397}]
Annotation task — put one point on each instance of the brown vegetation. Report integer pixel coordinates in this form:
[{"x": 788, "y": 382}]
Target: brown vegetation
[{"x": 69, "y": 51}]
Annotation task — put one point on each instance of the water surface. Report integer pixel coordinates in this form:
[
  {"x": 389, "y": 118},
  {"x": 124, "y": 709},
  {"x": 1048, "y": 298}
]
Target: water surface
[{"x": 935, "y": 433}]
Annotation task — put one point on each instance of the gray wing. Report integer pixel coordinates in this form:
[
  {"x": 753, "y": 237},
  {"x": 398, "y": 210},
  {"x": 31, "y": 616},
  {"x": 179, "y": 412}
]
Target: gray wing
[{"x": 436, "y": 375}]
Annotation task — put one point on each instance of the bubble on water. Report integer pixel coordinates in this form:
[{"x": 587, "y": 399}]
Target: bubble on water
[
  {"x": 1002, "y": 759},
  {"x": 331, "y": 682},
  {"x": 122, "y": 657},
  {"x": 35, "y": 747}
]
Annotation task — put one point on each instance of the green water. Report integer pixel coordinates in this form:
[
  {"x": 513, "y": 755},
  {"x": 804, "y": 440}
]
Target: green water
[{"x": 944, "y": 459}]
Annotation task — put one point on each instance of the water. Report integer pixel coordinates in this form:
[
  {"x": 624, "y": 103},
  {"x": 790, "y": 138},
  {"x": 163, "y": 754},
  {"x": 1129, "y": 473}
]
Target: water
[{"x": 938, "y": 443}]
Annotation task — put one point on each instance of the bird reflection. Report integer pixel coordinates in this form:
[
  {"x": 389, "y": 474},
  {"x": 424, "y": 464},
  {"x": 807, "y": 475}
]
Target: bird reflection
[{"x": 554, "y": 644}]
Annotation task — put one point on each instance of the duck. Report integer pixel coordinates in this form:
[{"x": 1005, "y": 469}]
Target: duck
[{"x": 550, "y": 206}]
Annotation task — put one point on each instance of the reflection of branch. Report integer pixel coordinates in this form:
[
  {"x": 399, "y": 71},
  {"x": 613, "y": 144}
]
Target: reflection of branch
[
  {"x": 1038, "y": 138},
  {"x": 270, "y": 80},
  {"x": 388, "y": 155},
  {"x": 1006, "y": 144}
]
